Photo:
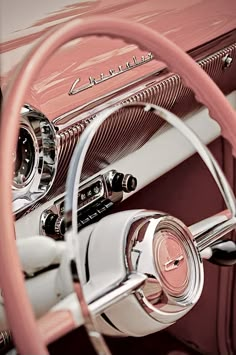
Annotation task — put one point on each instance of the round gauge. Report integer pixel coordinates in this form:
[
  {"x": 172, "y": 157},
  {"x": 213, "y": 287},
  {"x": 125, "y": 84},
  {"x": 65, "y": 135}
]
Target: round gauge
[
  {"x": 24, "y": 159},
  {"x": 171, "y": 261}
]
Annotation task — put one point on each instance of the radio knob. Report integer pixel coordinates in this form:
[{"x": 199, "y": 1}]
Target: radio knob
[
  {"x": 129, "y": 183},
  {"x": 117, "y": 182},
  {"x": 54, "y": 226}
]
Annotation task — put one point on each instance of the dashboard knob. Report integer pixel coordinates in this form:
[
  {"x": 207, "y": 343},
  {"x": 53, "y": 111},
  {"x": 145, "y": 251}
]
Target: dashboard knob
[
  {"x": 129, "y": 183},
  {"x": 54, "y": 226},
  {"x": 117, "y": 182}
]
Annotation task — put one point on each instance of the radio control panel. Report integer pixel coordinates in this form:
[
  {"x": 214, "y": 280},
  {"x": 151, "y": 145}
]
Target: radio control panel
[{"x": 95, "y": 199}]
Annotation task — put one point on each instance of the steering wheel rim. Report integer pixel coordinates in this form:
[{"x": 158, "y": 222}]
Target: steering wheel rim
[{"x": 16, "y": 299}]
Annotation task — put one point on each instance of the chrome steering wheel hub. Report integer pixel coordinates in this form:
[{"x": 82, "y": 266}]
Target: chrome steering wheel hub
[{"x": 163, "y": 248}]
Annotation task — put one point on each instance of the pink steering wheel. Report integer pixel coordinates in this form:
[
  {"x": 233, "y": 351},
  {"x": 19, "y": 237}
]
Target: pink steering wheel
[{"x": 28, "y": 338}]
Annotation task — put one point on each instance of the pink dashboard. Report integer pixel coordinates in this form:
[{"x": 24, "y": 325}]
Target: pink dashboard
[{"x": 102, "y": 205}]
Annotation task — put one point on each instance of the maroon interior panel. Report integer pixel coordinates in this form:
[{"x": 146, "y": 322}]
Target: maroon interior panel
[{"x": 161, "y": 343}]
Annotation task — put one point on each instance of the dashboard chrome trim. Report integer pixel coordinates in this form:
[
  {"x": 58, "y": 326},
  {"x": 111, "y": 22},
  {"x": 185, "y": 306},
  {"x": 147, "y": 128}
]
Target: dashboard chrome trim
[
  {"x": 161, "y": 88},
  {"x": 166, "y": 90},
  {"x": 213, "y": 50}
]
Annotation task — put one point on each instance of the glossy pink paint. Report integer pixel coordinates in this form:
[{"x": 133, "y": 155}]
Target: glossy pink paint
[{"x": 189, "y": 23}]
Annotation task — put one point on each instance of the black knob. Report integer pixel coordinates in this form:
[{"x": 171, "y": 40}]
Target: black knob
[
  {"x": 224, "y": 253},
  {"x": 49, "y": 226},
  {"x": 129, "y": 183},
  {"x": 117, "y": 182},
  {"x": 54, "y": 226}
]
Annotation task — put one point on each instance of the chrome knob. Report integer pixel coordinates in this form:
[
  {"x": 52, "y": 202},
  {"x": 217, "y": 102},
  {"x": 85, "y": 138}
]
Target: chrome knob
[
  {"x": 126, "y": 183},
  {"x": 129, "y": 183}
]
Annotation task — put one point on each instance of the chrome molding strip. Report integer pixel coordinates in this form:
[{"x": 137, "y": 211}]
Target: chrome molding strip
[{"x": 121, "y": 94}]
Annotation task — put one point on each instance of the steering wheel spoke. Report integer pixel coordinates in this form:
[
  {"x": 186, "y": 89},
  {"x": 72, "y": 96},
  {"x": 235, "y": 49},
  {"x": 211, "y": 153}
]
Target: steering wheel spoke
[{"x": 211, "y": 229}]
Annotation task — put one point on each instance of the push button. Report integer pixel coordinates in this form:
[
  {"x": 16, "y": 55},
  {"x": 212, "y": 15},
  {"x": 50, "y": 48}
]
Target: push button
[
  {"x": 84, "y": 220},
  {"x": 93, "y": 214},
  {"x": 108, "y": 204}
]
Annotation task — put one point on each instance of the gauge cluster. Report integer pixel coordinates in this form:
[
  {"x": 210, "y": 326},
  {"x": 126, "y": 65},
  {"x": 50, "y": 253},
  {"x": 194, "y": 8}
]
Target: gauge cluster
[{"x": 35, "y": 159}]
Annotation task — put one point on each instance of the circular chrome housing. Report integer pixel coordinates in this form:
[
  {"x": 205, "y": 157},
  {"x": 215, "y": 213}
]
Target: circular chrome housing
[
  {"x": 151, "y": 244},
  {"x": 35, "y": 159},
  {"x": 162, "y": 248}
]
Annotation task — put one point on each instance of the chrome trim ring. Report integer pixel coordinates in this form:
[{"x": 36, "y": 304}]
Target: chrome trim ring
[
  {"x": 166, "y": 292},
  {"x": 43, "y": 170}
]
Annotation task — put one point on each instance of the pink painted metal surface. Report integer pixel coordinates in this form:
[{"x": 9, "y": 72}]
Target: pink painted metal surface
[
  {"x": 189, "y": 23},
  {"x": 16, "y": 300}
]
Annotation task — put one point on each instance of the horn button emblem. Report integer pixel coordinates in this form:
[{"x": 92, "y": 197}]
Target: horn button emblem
[{"x": 171, "y": 262}]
